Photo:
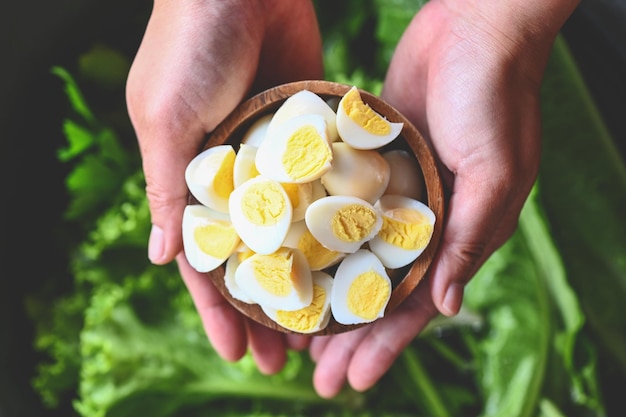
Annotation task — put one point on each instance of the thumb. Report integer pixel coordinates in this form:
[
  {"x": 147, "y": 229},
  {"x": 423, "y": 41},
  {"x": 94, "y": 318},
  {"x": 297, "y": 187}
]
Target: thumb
[
  {"x": 480, "y": 219},
  {"x": 164, "y": 166}
]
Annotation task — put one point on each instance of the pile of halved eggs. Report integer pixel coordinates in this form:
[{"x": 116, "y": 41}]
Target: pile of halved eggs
[{"x": 308, "y": 215}]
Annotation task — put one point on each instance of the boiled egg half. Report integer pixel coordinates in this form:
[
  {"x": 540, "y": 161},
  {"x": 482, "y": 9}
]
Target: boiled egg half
[
  {"x": 342, "y": 223},
  {"x": 362, "y": 127},
  {"x": 209, "y": 237},
  {"x": 298, "y": 151},
  {"x": 280, "y": 280},
  {"x": 313, "y": 317},
  {"x": 361, "y": 290},
  {"x": 209, "y": 176},
  {"x": 261, "y": 213},
  {"x": 407, "y": 228}
]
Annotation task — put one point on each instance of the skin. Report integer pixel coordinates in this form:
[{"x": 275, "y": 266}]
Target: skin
[{"x": 467, "y": 74}]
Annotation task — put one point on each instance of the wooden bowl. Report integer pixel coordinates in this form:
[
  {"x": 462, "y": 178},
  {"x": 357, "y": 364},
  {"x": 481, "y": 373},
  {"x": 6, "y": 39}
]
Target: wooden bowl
[{"x": 404, "y": 280}]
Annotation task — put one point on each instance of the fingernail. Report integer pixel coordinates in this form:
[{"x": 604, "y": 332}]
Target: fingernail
[
  {"x": 452, "y": 300},
  {"x": 156, "y": 245}
]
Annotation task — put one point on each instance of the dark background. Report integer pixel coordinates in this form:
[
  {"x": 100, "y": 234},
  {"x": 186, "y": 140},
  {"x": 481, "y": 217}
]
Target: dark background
[{"x": 36, "y": 35}]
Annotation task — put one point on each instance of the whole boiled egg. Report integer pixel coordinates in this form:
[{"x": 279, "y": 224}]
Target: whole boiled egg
[
  {"x": 360, "y": 126},
  {"x": 405, "y": 177},
  {"x": 342, "y": 223},
  {"x": 361, "y": 290},
  {"x": 209, "y": 237},
  {"x": 261, "y": 213},
  {"x": 280, "y": 280},
  {"x": 209, "y": 176},
  {"x": 408, "y": 226},
  {"x": 302, "y": 103},
  {"x": 318, "y": 256},
  {"x": 313, "y": 317},
  {"x": 297, "y": 151},
  {"x": 360, "y": 173}
]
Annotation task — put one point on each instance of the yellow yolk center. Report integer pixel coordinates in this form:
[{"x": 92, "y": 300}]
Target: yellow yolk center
[
  {"x": 406, "y": 228},
  {"x": 306, "y": 154},
  {"x": 353, "y": 222},
  {"x": 264, "y": 203},
  {"x": 306, "y": 318},
  {"x": 363, "y": 115},
  {"x": 223, "y": 180},
  {"x": 317, "y": 255},
  {"x": 274, "y": 272},
  {"x": 216, "y": 239},
  {"x": 368, "y": 294}
]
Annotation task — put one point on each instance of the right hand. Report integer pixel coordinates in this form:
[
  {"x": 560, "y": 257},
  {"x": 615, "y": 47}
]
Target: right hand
[{"x": 197, "y": 61}]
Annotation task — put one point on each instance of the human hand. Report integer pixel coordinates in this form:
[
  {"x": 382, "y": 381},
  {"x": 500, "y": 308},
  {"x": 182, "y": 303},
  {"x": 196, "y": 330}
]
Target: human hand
[
  {"x": 468, "y": 75},
  {"x": 196, "y": 63}
]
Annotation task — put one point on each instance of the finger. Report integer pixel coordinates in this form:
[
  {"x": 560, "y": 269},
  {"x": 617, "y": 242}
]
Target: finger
[
  {"x": 223, "y": 324},
  {"x": 267, "y": 346},
  {"x": 388, "y": 337},
  {"x": 331, "y": 368},
  {"x": 317, "y": 346},
  {"x": 297, "y": 342}
]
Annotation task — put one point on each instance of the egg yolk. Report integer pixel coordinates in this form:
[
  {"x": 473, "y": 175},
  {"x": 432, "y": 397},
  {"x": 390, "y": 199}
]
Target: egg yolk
[
  {"x": 218, "y": 239},
  {"x": 264, "y": 203},
  {"x": 306, "y": 318},
  {"x": 406, "y": 228},
  {"x": 292, "y": 191},
  {"x": 274, "y": 272},
  {"x": 368, "y": 295},
  {"x": 223, "y": 164},
  {"x": 353, "y": 222},
  {"x": 363, "y": 114},
  {"x": 242, "y": 256},
  {"x": 317, "y": 255},
  {"x": 253, "y": 171},
  {"x": 306, "y": 154}
]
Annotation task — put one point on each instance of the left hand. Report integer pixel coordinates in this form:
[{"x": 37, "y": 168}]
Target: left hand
[{"x": 468, "y": 75}]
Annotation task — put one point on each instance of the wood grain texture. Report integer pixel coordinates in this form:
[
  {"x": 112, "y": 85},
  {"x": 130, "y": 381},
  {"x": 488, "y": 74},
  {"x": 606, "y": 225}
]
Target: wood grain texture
[{"x": 404, "y": 280}]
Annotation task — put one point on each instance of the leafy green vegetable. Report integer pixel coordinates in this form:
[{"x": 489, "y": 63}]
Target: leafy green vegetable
[{"x": 584, "y": 179}]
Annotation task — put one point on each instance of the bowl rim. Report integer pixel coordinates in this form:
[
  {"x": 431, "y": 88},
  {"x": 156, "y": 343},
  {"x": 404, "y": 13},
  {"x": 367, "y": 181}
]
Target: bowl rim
[{"x": 231, "y": 129}]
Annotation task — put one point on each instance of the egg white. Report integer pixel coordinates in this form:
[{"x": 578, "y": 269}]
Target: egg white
[
  {"x": 257, "y": 131},
  {"x": 230, "y": 268},
  {"x": 301, "y": 103},
  {"x": 244, "y": 167}
]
